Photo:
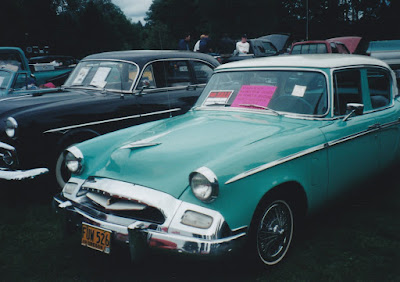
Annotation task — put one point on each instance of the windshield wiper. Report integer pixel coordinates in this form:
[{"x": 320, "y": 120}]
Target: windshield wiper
[
  {"x": 217, "y": 104},
  {"x": 260, "y": 107}
]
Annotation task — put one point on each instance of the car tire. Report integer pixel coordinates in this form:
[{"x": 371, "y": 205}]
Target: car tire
[{"x": 273, "y": 232}]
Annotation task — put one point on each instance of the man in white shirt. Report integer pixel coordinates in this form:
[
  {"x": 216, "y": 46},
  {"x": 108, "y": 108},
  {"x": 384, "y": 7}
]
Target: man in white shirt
[{"x": 243, "y": 46}]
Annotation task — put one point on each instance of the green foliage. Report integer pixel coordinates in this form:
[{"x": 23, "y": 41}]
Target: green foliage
[{"x": 81, "y": 27}]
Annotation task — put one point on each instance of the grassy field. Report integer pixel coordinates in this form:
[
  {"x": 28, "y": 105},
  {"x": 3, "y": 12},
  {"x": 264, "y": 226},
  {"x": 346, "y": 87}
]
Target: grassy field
[{"x": 356, "y": 240}]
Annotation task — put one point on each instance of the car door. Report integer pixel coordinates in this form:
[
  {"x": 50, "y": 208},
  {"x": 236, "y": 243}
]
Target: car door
[
  {"x": 353, "y": 142},
  {"x": 166, "y": 88},
  {"x": 381, "y": 100}
]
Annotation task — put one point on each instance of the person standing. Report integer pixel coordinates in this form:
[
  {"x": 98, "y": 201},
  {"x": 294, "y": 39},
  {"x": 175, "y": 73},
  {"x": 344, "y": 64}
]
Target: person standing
[
  {"x": 184, "y": 43},
  {"x": 205, "y": 44},
  {"x": 197, "y": 45},
  {"x": 243, "y": 46}
]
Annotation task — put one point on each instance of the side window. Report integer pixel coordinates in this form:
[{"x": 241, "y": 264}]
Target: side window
[
  {"x": 202, "y": 72},
  {"x": 177, "y": 73},
  {"x": 379, "y": 88},
  {"x": 20, "y": 82},
  {"x": 334, "y": 48},
  {"x": 347, "y": 89}
]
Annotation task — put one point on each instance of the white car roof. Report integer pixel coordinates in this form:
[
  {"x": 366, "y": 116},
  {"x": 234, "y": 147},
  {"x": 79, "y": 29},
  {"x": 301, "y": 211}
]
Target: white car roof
[{"x": 309, "y": 61}]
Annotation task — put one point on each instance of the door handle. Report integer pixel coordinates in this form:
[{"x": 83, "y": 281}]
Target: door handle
[
  {"x": 191, "y": 87},
  {"x": 375, "y": 126}
]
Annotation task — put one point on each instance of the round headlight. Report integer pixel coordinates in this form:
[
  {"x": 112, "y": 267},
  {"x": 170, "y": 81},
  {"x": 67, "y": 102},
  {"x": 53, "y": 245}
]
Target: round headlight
[
  {"x": 74, "y": 160},
  {"x": 204, "y": 184},
  {"x": 11, "y": 127}
]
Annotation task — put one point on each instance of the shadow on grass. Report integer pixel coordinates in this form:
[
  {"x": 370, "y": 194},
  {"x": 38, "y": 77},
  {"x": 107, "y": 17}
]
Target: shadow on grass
[{"x": 355, "y": 239}]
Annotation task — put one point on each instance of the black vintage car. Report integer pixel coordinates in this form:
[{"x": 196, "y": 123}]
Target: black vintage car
[{"x": 105, "y": 92}]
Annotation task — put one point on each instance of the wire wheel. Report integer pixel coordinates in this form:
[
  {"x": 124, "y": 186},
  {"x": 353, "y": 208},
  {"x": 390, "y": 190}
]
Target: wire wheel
[{"x": 274, "y": 232}]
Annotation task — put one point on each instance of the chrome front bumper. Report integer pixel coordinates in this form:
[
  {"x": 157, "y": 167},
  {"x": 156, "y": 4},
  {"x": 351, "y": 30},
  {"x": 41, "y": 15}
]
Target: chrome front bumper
[
  {"x": 141, "y": 236},
  {"x": 8, "y": 155}
]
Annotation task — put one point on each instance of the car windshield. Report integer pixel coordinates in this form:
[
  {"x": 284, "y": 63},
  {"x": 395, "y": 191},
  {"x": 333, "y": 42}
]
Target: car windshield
[
  {"x": 109, "y": 75},
  {"x": 298, "y": 92},
  {"x": 5, "y": 77}
]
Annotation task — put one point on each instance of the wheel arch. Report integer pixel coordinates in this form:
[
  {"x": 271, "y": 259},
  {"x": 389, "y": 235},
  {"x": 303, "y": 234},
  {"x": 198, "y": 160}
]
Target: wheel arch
[{"x": 73, "y": 136}]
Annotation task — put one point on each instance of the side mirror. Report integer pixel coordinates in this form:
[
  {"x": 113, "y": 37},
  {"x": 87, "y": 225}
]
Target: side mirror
[
  {"x": 145, "y": 85},
  {"x": 354, "y": 108}
]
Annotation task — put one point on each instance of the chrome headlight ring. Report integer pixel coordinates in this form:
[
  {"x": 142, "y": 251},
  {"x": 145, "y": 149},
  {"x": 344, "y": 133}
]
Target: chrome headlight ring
[
  {"x": 11, "y": 127},
  {"x": 204, "y": 184},
  {"x": 74, "y": 160}
]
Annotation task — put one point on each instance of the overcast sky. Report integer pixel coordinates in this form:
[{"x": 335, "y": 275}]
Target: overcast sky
[{"x": 134, "y": 9}]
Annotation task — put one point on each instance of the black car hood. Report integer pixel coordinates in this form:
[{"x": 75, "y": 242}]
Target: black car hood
[
  {"x": 22, "y": 103},
  {"x": 278, "y": 40}
]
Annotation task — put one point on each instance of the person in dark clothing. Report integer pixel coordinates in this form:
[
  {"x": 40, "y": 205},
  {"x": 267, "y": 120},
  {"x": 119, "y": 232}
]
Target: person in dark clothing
[
  {"x": 205, "y": 44},
  {"x": 184, "y": 43},
  {"x": 226, "y": 45}
]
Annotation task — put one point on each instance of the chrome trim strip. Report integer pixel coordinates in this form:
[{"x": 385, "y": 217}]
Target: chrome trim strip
[
  {"x": 110, "y": 120},
  {"x": 139, "y": 145},
  {"x": 275, "y": 163},
  {"x": 389, "y": 124},
  {"x": 306, "y": 152},
  {"x": 6, "y": 146}
]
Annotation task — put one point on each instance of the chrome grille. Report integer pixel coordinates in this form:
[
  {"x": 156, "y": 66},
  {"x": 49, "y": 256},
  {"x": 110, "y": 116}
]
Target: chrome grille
[{"x": 131, "y": 208}]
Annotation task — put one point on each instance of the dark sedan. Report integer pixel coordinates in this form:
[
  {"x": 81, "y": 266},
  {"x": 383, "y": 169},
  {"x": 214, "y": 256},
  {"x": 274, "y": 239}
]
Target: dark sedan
[{"x": 105, "y": 92}]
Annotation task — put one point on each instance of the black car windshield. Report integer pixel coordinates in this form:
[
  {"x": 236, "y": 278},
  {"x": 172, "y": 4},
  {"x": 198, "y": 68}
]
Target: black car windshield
[
  {"x": 110, "y": 75},
  {"x": 298, "y": 92}
]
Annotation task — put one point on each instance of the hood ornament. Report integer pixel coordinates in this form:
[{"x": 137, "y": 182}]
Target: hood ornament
[{"x": 139, "y": 144}]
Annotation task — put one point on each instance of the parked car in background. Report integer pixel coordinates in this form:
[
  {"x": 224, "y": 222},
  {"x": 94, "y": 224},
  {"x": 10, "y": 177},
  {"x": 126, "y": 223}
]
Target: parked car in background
[
  {"x": 14, "y": 59},
  {"x": 318, "y": 47},
  {"x": 388, "y": 51},
  {"x": 269, "y": 141},
  {"x": 105, "y": 92},
  {"x": 265, "y": 46}
]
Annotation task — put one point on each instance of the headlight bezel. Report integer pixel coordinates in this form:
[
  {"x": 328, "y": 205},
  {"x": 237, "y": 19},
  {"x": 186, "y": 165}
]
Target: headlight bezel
[
  {"x": 73, "y": 159},
  {"x": 11, "y": 127},
  {"x": 213, "y": 185}
]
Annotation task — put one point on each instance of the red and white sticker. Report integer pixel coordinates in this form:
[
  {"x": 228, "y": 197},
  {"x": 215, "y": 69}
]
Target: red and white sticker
[{"x": 218, "y": 97}]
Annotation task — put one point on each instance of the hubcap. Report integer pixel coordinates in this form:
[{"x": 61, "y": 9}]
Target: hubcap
[{"x": 274, "y": 232}]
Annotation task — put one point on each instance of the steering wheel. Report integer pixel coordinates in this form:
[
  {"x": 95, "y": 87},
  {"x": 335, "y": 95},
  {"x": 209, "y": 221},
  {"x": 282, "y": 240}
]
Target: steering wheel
[{"x": 291, "y": 104}]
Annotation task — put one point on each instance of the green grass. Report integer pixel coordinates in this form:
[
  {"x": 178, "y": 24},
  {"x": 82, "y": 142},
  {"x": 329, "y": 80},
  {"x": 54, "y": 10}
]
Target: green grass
[{"x": 356, "y": 240}]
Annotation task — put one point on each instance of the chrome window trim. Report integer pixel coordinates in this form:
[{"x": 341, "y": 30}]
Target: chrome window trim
[
  {"x": 360, "y": 67},
  {"x": 113, "y": 60},
  {"x": 309, "y": 151},
  {"x": 110, "y": 120},
  {"x": 286, "y": 114},
  {"x": 170, "y": 59}
]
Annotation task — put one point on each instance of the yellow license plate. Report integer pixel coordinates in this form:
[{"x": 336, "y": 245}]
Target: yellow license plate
[{"x": 96, "y": 238}]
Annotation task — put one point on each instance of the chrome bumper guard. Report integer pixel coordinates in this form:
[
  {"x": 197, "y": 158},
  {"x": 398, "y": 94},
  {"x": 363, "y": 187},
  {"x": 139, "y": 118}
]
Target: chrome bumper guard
[
  {"x": 8, "y": 156},
  {"x": 18, "y": 175},
  {"x": 141, "y": 236}
]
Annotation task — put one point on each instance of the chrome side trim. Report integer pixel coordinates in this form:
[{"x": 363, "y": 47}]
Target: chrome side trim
[
  {"x": 139, "y": 145},
  {"x": 110, "y": 120},
  {"x": 6, "y": 146},
  {"x": 308, "y": 151},
  {"x": 275, "y": 163}
]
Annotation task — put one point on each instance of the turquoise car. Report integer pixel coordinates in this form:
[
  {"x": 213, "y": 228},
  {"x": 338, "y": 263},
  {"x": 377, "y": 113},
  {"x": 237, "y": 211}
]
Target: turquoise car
[{"x": 269, "y": 141}]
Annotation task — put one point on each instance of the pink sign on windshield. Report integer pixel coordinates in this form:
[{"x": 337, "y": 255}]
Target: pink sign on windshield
[{"x": 254, "y": 95}]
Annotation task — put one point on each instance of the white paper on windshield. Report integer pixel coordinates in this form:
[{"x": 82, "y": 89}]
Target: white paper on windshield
[
  {"x": 81, "y": 76},
  {"x": 100, "y": 77},
  {"x": 218, "y": 97},
  {"x": 299, "y": 90},
  {"x": 1, "y": 80}
]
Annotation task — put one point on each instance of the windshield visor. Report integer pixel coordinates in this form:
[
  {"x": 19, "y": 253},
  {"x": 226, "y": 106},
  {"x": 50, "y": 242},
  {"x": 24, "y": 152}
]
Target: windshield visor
[
  {"x": 297, "y": 92},
  {"x": 109, "y": 75}
]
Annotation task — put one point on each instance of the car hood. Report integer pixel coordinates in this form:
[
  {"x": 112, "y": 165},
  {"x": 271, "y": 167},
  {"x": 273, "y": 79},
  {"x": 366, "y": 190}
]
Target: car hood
[
  {"x": 163, "y": 156},
  {"x": 21, "y": 103}
]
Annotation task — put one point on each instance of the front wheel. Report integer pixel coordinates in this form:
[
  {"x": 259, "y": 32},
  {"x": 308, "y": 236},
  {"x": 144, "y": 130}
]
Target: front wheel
[
  {"x": 62, "y": 174},
  {"x": 274, "y": 232}
]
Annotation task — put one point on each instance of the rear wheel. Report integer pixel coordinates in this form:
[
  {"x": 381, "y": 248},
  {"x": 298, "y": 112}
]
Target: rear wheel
[{"x": 274, "y": 232}]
